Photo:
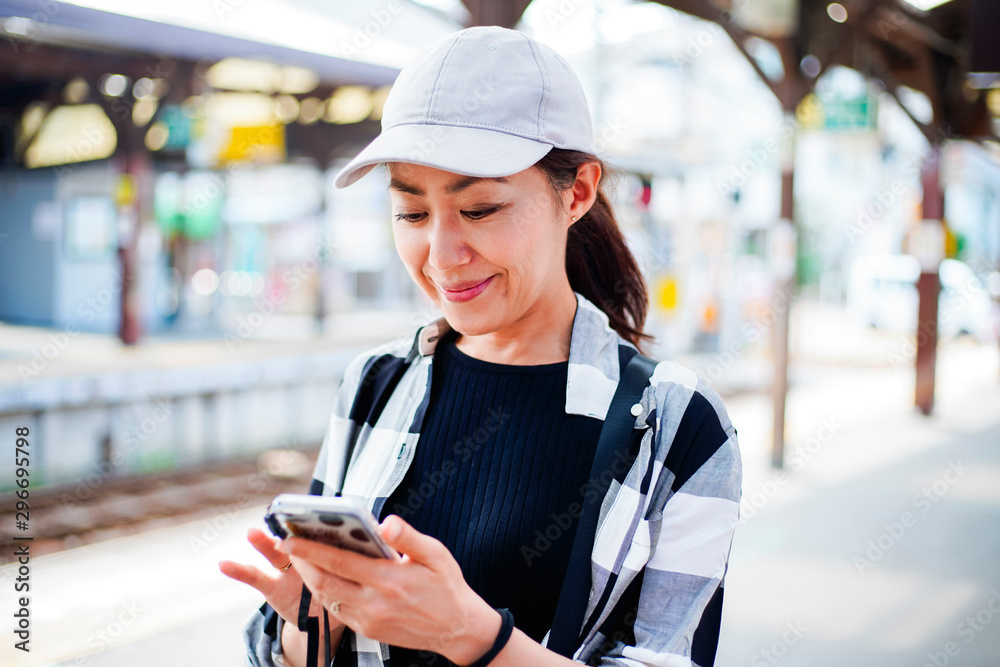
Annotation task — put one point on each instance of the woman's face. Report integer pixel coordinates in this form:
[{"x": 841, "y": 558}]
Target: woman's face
[{"x": 489, "y": 252}]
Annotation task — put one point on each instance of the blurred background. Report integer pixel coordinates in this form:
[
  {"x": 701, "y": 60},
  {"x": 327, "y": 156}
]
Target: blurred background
[{"x": 812, "y": 190}]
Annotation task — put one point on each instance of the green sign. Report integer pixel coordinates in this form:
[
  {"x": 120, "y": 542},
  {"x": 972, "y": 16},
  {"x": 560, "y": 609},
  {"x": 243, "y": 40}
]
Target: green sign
[{"x": 850, "y": 114}]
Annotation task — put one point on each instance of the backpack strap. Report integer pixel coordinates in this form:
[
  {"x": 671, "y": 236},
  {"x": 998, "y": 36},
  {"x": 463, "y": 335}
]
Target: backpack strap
[
  {"x": 378, "y": 381},
  {"x": 616, "y": 435}
]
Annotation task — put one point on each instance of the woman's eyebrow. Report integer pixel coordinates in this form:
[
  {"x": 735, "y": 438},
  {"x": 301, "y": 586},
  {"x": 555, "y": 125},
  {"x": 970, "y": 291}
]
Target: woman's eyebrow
[
  {"x": 466, "y": 181},
  {"x": 455, "y": 186},
  {"x": 396, "y": 184}
]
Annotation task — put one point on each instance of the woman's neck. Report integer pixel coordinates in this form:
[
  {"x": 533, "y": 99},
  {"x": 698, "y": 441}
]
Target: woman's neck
[{"x": 541, "y": 336}]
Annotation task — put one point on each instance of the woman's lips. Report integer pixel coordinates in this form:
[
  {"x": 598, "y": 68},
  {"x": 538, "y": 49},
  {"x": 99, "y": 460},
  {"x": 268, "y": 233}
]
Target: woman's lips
[{"x": 459, "y": 292}]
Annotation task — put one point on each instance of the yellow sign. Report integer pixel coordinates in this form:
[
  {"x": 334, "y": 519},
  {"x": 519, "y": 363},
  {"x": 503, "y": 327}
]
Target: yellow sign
[
  {"x": 125, "y": 190},
  {"x": 809, "y": 112},
  {"x": 666, "y": 293},
  {"x": 265, "y": 143}
]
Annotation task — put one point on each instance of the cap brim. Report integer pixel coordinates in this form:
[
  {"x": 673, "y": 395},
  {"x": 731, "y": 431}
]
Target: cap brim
[{"x": 463, "y": 150}]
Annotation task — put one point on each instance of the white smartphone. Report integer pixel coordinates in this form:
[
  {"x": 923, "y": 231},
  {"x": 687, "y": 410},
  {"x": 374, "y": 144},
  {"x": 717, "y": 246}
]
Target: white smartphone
[{"x": 340, "y": 522}]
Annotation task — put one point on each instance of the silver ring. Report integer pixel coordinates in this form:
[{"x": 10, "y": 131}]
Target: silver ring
[
  {"x": 282, "y": 569},
  {"x": 335, "y": 607}
]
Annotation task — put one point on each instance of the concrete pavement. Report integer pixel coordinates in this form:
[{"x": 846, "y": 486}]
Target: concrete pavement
[{"x": 881, "y": 539}]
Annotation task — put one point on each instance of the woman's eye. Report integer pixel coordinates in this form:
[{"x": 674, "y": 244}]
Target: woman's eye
[
  {"x": 479, "y": 214},
  {"x": 408, "y": 217}
]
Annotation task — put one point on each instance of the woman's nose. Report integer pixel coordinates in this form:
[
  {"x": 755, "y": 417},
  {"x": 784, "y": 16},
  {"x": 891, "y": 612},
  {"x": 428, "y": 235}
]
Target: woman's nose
[{"x": 447, "y": 246}]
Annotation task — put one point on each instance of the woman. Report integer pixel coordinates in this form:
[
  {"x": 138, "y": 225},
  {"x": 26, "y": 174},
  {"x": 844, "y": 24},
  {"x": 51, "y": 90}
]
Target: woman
[{"x": 499, "y": 217}]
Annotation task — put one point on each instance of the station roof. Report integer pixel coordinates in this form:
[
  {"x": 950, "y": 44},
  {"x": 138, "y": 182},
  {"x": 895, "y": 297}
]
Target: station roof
[{"x": 344, "y": 42}]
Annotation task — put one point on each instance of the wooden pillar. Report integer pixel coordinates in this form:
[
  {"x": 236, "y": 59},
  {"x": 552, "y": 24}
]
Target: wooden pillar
[
  {"x": 129, "y": 189},
  {"x": 929, "y": 287},
  {"x": 504, "y": 13}
]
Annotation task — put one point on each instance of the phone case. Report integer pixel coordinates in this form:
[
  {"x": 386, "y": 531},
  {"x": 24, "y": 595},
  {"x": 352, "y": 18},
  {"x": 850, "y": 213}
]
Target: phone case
[{"x": 339, "y": 522}]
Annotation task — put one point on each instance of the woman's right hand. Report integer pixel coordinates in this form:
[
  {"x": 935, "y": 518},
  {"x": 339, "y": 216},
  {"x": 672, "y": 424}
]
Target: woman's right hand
[{"x": 282, "y": 590}]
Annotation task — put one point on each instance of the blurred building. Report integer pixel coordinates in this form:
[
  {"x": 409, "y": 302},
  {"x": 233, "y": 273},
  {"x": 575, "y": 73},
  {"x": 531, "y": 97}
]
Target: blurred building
[
  {"x": 679, "y": 107},
  {"x": 180, "y": 153}
]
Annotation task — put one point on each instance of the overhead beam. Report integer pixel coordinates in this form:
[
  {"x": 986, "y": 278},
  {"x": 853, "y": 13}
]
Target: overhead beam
[{"x": 504, "y": 13}]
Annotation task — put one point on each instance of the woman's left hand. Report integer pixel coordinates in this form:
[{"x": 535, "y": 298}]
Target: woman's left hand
[{"x": 420, "y": 601}]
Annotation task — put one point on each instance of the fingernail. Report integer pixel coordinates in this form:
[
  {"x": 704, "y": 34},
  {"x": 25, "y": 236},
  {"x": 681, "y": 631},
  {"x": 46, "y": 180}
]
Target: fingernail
[
  {"x": 392, "y": 529},
  {"x": 285, "y": 546}
]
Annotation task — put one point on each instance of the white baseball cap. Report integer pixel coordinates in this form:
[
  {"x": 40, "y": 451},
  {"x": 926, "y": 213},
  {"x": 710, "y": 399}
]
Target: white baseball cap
[{"x": 484, "y": 101}]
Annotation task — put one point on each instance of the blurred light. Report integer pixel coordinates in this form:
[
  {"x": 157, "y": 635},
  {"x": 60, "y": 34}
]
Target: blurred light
[
  {"x": 917, "y": 103},
  {"x": 837, "y": 12},
  {"x": 246, "y": 75},
  {"x": 76, "y": 91},
  {"x": 33, "y": 117},
  {"x": 256, "y": 283},
  {"x": 240, "y": 109},
  {"x": 767, "y": 57},
  {"x": 146, "y": 88},
  {"x": 378, "y": 101},
  {"x": 193, "y": 106},
  {"x": 297, "y": 80},
  {"x": 225, "y": 281},
  {"x": 204, "y": 281},
  {"x": 17, "y": 25},
  {"x": 349, "y": 104},
  {"x": 927, "y": 4},
  {"x": 239, "y": 283},
  {"x": 286, "y": 108},
  {"x": 114, "y": 85},
  {"x": 310, "y": 110},
  {"x": 245, "y": 282},
  {"x": 72, "y": 134},
  {"x": 143, "y": 112},
  {"x": 157, "y": 136},
  {"x": 993, "y": 101},
  {"x": 809, "y": 112},
  {"x": 810, "y": 65}
]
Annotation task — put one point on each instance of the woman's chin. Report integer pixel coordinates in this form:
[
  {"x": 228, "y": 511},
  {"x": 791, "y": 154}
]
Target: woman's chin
[{"x": 469, "y": 323}]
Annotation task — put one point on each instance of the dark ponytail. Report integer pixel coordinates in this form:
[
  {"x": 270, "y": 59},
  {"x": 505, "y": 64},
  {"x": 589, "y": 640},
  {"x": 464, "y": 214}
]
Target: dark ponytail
[{"x": 599, "y": 264}]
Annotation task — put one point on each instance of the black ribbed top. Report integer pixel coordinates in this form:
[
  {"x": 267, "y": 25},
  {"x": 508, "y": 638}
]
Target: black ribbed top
[{"x": 497, "y": 467}]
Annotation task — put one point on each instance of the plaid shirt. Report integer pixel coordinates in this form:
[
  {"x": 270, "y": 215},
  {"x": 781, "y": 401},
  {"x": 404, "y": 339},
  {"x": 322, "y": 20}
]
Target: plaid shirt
[{"x": 666, "y": 523}]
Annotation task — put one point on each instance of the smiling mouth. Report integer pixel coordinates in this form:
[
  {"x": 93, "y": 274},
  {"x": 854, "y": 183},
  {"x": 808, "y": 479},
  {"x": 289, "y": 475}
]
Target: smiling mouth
[
  {"x": 463, "y": 286},
  {"x": 464, "y": 291}
]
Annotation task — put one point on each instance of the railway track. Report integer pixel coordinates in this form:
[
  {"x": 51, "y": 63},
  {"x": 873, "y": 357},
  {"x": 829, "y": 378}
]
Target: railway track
[{"x": 99, "y": 508}]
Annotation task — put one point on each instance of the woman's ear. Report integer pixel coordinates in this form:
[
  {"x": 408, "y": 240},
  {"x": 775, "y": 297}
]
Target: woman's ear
[{"x": 583, "y": 194}]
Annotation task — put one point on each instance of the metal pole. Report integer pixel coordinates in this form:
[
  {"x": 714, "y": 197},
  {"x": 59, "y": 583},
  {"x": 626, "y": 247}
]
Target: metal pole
[{"x": 784, "y": 287}]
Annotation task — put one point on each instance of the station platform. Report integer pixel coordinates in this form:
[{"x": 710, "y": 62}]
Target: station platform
[{"x": 874, "y": 546}]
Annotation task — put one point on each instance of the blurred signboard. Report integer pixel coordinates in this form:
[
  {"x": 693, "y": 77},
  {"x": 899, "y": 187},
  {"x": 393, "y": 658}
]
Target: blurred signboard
[
  {"x": 666, "y": 293},
  {"x": 851, "y": 113},
  {"x": 178, "y": 126},
  {"x": 262, "y": 143}
]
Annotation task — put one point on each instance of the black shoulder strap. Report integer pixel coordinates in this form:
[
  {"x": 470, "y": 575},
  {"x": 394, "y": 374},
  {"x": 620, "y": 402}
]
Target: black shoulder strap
[
  {"x": 378, "y": 380},
  {"x": 616, "y": 435}
]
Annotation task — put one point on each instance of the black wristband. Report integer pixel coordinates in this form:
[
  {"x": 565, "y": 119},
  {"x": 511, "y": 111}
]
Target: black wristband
[{"x": 506, "y": 629}]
